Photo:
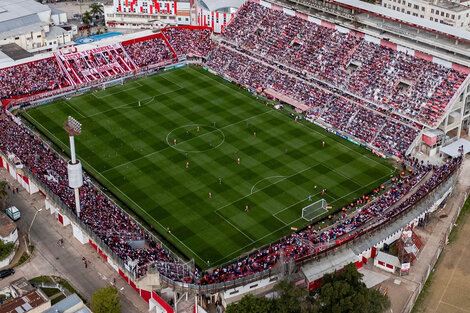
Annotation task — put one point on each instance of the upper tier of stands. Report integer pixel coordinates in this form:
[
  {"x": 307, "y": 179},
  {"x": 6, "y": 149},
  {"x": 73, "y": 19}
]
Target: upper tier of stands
[
  {"x": 401, "y": 82},
  {"x": 255, "y": 63}
]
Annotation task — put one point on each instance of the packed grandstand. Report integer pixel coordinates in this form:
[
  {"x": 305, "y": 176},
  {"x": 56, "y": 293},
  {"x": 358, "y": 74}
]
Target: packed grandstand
[{"x": 379, "y": 96}]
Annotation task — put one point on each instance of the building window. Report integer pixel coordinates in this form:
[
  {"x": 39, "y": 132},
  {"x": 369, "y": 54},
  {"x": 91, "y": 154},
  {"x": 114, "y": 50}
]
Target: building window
[
  {"x": 431, "y": 18},
  {"x": 447, "y": 15},
  {"x": 437, "y": 12},
  {"x": 432, "y": 10},
  {"x": 453, "y": 16},
  {"x": 38, "y": 36},
  {"x": 416, "y": 7},
  {"x": 422, "y": 9},
  {"x": 422, "y": 16}
]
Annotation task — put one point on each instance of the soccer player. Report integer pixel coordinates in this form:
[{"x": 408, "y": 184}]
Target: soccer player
[
  {"x": 220, "y": 180},
  {"x": 246, "y": 208},
  {"x": 254, "y": 134},
  {"x": 309, "y": 197},
  {"x": 187, "y": 164},
  {"x": 174, "y": 141},
  {"x": 197, "y": 129},
  {"x": 323, "y": 191},
  {"x": 210, "y": 195},
  {"x": 238, "y": 160},
  {"x": 323, "y": 144}
]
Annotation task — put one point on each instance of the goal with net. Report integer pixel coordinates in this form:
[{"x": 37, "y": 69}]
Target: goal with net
[{"x": 314, "y": 210}]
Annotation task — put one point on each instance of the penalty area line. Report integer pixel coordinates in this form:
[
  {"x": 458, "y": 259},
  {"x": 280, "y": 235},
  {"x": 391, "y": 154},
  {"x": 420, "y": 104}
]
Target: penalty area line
[
  {"x": 122, "y": 193},
  {"x": 220, "y": 215}
]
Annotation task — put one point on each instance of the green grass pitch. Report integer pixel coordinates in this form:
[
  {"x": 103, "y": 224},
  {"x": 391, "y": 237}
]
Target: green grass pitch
[{"x": 129, "y": 148}]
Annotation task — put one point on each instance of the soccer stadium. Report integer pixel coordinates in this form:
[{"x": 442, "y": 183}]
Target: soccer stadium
[{"x": 215, "y": 160}]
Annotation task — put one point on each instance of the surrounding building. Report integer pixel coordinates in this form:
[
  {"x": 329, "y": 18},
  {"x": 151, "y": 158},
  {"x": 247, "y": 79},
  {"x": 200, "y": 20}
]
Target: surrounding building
[
  {"x": 71, "y": 304},
  {"x": 8, "y": 230},
  {"x": 26, "y": 298},
  {"x": 452, "y": 13},
  {"x": 147, "y": 14},
  {"x": 32, "y": 26},
  {"x": 214, "y": 13}
]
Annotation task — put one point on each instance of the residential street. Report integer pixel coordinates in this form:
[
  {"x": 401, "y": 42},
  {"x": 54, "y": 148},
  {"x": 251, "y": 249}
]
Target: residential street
[{"x": 51, "y": 259}]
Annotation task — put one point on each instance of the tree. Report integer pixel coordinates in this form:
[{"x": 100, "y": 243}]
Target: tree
[
  {"x": 344, "y": 292},
  {"x": 96, "y": 9},
  {"x": 105, "y": 300},
  {"x": 3, "y": 193},
  {"x": 87, "y": 18},
  {"x": 290, "y": 298},
  {"x": 251, "y": 304}
]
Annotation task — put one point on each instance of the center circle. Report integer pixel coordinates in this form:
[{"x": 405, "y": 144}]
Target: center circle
[{"x": 188, "y": 136}]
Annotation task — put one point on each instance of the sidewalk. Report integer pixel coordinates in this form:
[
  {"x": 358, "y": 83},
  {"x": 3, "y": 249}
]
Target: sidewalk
[{"x": 50, "y": 259}]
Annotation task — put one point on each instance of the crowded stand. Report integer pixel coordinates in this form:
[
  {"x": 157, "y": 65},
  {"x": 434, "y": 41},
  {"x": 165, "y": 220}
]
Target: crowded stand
[
  {"x": 304, "y": 61},
  {"x": 148, "y": 52},
  {"x": 365, "y": 123},
  {"x": 95, "y": 64},
  {"x": 189, "y": 41},
  {"x": 117, "y": 229},
  {"x": 415, "y": 87},
  {"x": 372, "y": 212},
  {"x": 31, "y": 78}
]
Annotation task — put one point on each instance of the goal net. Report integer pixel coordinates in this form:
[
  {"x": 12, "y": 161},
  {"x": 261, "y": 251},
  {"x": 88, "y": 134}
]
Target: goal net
[{"x": 314, "y": 210}]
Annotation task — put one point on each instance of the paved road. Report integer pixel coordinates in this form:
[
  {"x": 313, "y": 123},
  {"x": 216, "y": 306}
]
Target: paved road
[{"x": 50, "y": 259}]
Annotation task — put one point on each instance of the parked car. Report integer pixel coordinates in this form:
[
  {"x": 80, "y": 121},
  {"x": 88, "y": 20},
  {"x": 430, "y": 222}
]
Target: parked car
[
  {"x": 13, "y": 213},
  {"x": 6, "y": 273}
]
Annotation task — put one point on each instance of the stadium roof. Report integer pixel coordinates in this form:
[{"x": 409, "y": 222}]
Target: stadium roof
[
  {"x": 406, "y": 18},
  {"x": 453, "y": 149},
  {"x": 71, "y": 304},
  {"x": 13, "y": 9},
  {"x": 214, "y": 5}
]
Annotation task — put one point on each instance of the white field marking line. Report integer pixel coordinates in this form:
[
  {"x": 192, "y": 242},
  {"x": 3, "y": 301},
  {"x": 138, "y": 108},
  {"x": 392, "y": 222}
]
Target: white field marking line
[
  {"x": 451, "y": 277},
  {"x": 279, "y": 219},
  {"x": 67, "y": 103},
  {"x": 220, "y": 215},
  {"x": 373, "y": 182},
  {"x": 194, "y": 151},
  {"x": 261, "y": 238},
  {"x": 130, "y": 104},
  {"x": 158, "y": 151},
  {"x": 122, "y": 193},
  {"x": 362, "y": 155},
  {"x": 124, "y": 106},
  {"x": 119, "y": 91},
  {"x": 315, "y": 194},
  {"x": 454, "y": 306},
  {"x": 285, "y": 177},
  {"x": 259, "y": 181}
]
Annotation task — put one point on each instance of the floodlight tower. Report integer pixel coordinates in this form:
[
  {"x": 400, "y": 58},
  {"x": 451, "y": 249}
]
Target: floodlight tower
[{"x": 74, "y": 167}]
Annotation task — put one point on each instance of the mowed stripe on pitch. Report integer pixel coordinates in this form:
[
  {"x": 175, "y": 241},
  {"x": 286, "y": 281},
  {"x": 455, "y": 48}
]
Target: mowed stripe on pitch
[{"x": 127, "y": 144}]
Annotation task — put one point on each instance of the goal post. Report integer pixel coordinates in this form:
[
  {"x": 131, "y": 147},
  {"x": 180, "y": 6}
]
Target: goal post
[{"x": 314, "y": 210}]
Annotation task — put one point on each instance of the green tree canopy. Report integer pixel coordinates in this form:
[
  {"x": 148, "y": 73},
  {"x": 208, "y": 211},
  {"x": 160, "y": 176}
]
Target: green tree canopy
[
  {"x": 96, "y": 9},
  {"x": 341, "y": 292},
  {"x": 105, "y": 300},
  {"x": 3, "y": 193},
  {"x": 251, "y": 304},
  {"x": 87, "y": 18},
  {"x": 344, "y": 292}
]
